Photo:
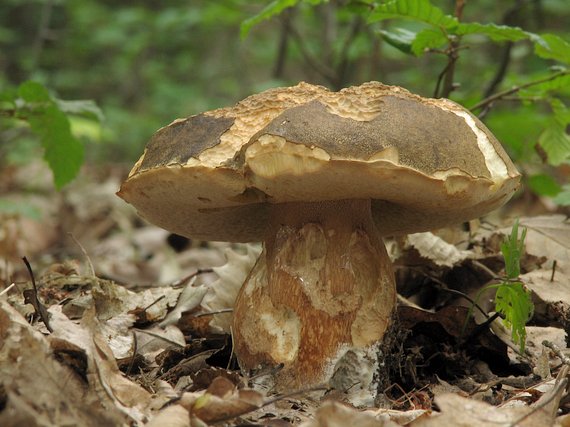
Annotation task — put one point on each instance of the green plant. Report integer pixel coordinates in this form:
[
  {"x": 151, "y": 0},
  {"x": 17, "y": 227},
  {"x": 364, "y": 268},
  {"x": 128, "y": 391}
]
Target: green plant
[
  {"x": 512, "y": 300},
  {"x": 48, "y": 118}
]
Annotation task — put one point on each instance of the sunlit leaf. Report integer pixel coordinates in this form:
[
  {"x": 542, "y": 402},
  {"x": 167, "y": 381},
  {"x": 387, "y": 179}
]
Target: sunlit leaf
[
  {"x": 514, "y": 302},
  {"x": 511, "y": 299},
  {"x": 542, "y": 184},
  {"x": 85, "y": 108},
  {"x": 495, "y": 32},
  {"x": 555, "y": 139},
  {"x": 428, "y": 38},
  {"x": 558, "y": 84},
  {"x": 418, "y": 10},
  {"x": 512, "y": 249},
  {"x": 563, "y": 198},
  {"x": 400, "y": 38},
  {"x": 556, "y": 143},
  {"x": 63, "y": 152},
  {"x": 550, "y": 46},
  {"x": 272, "y": 9},
  {"x": 31, "y": 91}
]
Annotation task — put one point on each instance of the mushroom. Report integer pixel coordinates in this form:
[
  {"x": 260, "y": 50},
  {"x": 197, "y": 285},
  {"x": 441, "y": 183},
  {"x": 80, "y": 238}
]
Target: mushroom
[{"x": 320, "y": 177}]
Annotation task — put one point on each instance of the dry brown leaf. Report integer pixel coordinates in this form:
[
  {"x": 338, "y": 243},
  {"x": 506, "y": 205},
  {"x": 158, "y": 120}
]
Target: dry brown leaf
[
  {"x": 223, "y": 292},
  {"x": 39, "y": 389},
  {"x": 189, "y": 299},
  {"x": 105, "y": 380},
  {"x": 548, "y": 236},
  {"x": 171, "y": 416},
  {"x": 460, "y": 411},
  {"x": 335, "y": 414},
  {"x": 221, "y": 401},
  {"x": 436, "y": 249}
]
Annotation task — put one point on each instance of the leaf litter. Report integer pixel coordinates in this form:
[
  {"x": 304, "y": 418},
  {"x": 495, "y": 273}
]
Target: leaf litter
[{"x": 146, "y": 340}]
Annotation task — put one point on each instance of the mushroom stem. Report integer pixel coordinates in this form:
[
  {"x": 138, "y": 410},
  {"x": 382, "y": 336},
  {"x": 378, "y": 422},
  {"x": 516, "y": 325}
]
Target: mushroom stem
[{"x": 320, "y": 297}]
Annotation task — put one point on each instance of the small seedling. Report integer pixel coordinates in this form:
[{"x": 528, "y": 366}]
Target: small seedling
[{"x": 512, "y": 300}]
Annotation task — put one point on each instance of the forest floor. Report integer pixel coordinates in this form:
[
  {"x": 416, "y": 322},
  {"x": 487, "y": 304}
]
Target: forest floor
[{"x": 115, "y": 328}]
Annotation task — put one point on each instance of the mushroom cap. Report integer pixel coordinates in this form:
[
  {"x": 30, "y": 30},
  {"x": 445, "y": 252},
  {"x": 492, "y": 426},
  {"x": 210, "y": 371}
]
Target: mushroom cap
[{"x": 425, "y": 163}]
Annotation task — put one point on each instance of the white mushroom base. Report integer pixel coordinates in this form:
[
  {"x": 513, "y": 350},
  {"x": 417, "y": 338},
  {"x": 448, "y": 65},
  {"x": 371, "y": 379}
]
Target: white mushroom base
[{"x": 320, "y": 298}]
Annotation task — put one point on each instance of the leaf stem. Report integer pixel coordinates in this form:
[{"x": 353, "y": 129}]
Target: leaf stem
[{"x": 500, "y": 95}]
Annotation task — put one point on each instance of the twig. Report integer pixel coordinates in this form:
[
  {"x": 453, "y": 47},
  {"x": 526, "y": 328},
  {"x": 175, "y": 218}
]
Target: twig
[
  {"x": 186, "y": 279},
  {"x": 459, "y": 6},
  {"x": 486, "y": 269},
  {"x": 133, "y": 357},
  {"x": 313, "y": 62},
  {"x": 468, "y": 298},
  {"x": 342, "y": 67},
  {"x": 560, "y": 384},
  {"x": 232, "y": 351},
  {"x": 501, "y": 70},
  {"x": 160, "y": 337},
  {"x": 285, "y": 19},
  {"x": 565, "y": 359},
  {"x": 209, "y": 313},
  {"x": 154, "y": 302},
  {"x": 38, "y": 306},
  {"x": 480, "y": 328},
  {"x": 270, "y": 401},
  {"x": 448, "y": 72},
  {"x": 509, "y": 18},
  {"x": 5, "y": 291},
  {"x": 42, "y": 34},
  {"x": 553, "y": 271},
  {"x": 499, "y": 95},
  {"x": 78, "y": 243}
]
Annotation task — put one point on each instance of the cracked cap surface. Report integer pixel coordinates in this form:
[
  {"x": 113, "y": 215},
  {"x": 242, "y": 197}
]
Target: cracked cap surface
[{"x": 425, "y": 163}]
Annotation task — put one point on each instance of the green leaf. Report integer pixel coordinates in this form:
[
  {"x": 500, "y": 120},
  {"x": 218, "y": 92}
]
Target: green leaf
[
  {"x": 554, "y": 139},
  {"x": 559, "y": 84},
  {"x": 556, "y": 143},
  {"x": 544, "y": 185},
  {"x": 550, "y": 46},
  {"x": 417, "y": 10},
  {"x": 563, "y": 198},
  {"x": 514, "y": 302},
  {"x": 63, "y": 152},
  {"x": 85, "y": 108},
  {"x": 272, "y": 9},
  {"x": 512, "y": 249},
  {"x": 400, "y": 38},
  {"x": 9, "y": 95},
  {"x": 495, "y": 32},
  {"x": 428, "y": 38},
  {"x": 31, "y": 92}
]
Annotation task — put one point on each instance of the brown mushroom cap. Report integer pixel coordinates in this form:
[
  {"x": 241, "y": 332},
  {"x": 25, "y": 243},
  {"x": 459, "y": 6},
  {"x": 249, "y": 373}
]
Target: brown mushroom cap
[{"x": 425, "y": 163}]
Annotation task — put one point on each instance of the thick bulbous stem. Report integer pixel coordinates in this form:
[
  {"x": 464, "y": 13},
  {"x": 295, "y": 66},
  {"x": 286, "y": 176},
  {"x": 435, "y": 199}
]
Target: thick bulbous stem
[{"x": 320, "y": 298}]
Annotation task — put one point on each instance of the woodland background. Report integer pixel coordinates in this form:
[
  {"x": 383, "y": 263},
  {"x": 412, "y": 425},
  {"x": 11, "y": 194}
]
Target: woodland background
[{"x": 143, "y": 63}]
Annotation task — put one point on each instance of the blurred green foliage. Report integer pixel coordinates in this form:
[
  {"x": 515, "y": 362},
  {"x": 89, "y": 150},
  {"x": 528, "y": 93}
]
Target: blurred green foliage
[{"x": 145, "y": 63}]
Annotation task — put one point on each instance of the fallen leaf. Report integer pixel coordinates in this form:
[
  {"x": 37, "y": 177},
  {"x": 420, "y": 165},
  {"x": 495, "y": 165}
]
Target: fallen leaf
[
  {"x": 335, "y": 414},
  {"x": 223, "y": 292},
  {"x": 436, "y": 249},
  {"x": 39, "y": 389},
  {"x": 460, "y": 411},
  {"x": 171, "y": 416},
  {"x": 222, "y": 401}
]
